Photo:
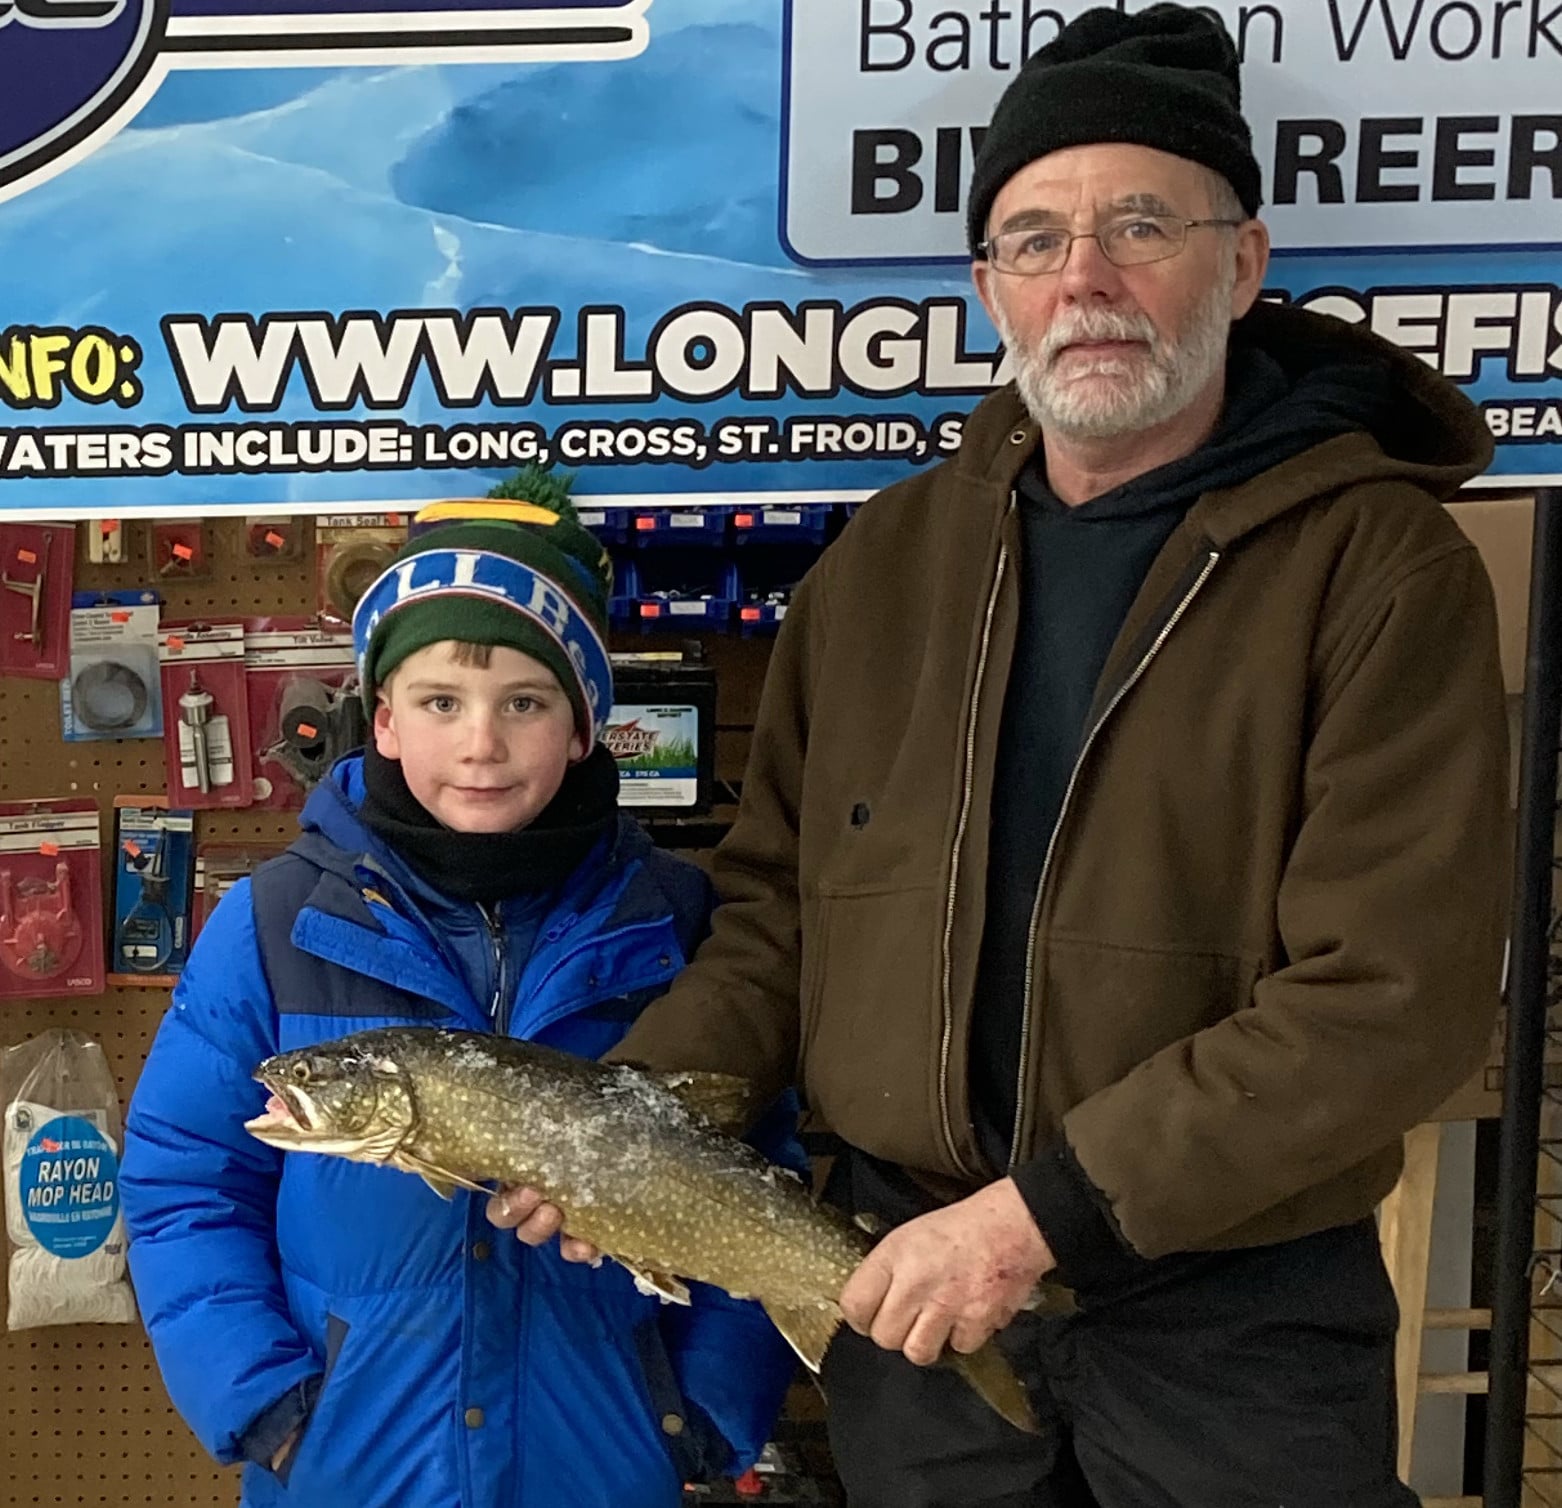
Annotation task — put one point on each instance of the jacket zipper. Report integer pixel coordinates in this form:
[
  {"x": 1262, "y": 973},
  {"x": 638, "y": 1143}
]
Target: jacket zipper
[
  {"x": 954, "y": 858},
  {"x": 1211, "y": 559},
  {"x": 494, "y": 921},
  {"x": 493, "y": 924}
]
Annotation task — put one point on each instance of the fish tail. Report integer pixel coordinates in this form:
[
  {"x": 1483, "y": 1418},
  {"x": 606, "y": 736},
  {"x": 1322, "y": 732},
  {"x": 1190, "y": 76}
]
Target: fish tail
[
  {"x": 997, "y": 1384},
  {"x": 809, "y": 1329}
]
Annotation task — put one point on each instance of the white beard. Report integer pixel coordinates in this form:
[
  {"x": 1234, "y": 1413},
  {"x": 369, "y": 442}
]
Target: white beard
[{"x": 1113, "y": 395}]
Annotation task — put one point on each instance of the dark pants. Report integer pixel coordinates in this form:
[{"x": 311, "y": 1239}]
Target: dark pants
[{"x": 1260, "y": 1377}]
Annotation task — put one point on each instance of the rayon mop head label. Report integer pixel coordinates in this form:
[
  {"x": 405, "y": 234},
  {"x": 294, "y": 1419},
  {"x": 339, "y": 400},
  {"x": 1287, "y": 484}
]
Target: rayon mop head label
[{"x": 64, "y": 1225}]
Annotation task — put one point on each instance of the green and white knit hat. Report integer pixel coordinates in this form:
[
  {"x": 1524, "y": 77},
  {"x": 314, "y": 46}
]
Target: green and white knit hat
[{"x": 520, "y": 574}]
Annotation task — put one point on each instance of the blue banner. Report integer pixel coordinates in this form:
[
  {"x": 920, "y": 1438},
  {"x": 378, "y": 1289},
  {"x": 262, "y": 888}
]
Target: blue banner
[{"x": 303, "y": 256}]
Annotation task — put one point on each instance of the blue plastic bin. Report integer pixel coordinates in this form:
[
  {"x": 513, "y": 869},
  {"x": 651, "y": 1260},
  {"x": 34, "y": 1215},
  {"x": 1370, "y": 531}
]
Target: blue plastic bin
[
  {"x": 703, "y": 527},
  {"x": 805, "y": 523},
  {"x": 696, "y": 608}
]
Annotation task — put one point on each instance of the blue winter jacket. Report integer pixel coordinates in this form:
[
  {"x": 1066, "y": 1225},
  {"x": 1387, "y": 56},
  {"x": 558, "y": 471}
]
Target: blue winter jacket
[{"x": 461, "y": 1368}]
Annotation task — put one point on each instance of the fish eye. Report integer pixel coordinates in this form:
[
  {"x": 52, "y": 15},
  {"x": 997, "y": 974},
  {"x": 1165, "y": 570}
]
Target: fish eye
[{"x": 301, "y": 1072}]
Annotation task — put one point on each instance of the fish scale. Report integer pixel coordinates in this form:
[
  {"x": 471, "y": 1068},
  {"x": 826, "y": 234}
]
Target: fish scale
[{"x": 638, "y": 1163}]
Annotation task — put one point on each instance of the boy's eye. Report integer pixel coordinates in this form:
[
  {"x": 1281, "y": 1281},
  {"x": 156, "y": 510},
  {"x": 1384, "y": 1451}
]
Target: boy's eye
[
  {"x": 523, "y": 703},
  {"x": 441, "y": 704}
]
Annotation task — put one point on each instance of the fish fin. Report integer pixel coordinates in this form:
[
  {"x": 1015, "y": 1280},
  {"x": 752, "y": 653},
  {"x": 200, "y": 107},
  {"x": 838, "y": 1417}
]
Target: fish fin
[
  {"x": 441, "y": 1180},
  {"x": 661, "y": 1285},
  {"x": 730, "y": 1103},
  {"x": 997, "y": 1384},
  {"x": 808, "y": 1328},
  {"x": 382, "y": 1150},
  {"x": 1051, "y": 1301},
  {"x": 874, "y": 1225}
]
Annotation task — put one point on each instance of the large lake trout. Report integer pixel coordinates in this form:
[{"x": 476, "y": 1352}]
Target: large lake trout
[{"x": 636, "y": 1161}]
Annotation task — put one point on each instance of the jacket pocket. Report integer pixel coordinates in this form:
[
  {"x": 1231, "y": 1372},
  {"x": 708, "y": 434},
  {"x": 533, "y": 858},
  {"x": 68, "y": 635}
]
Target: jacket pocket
[
  {"x": 1110, "y": 1008},
  {"x": 335, "y": 1335},
  {"x": 872, "y": 1022}
]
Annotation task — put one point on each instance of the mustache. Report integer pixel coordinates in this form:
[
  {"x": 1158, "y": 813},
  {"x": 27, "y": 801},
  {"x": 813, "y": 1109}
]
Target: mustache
[{"x": 1078, "y": 325}]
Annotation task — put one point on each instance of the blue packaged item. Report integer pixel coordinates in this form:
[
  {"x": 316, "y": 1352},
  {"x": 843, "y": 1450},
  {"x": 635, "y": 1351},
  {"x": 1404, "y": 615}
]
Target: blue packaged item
[{"x": 154, "y": 892}]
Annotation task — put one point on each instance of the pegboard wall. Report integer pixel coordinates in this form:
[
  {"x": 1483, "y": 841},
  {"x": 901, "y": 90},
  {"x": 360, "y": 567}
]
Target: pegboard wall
[{"x": 86, "y": 1422}]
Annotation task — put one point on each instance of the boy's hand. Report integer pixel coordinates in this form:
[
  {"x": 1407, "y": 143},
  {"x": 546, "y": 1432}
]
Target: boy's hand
[{"x": 536, "y": 1222}]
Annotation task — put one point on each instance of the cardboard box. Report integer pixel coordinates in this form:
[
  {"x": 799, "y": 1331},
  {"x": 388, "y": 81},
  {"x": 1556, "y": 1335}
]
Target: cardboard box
[
  {"x": 1481, "y": 1097},
  {"x": 1502, "y": 529}
]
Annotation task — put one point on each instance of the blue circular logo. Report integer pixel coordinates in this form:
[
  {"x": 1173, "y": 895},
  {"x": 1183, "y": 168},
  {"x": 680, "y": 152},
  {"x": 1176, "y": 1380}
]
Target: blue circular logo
[
  {"x": 69, "y": 1187},
  {"x": 67, "y": 67}
]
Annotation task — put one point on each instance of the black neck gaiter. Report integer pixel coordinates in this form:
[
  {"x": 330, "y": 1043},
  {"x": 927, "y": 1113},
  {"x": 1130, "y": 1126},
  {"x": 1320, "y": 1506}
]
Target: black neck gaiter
[{"x": 490, "y": 867}]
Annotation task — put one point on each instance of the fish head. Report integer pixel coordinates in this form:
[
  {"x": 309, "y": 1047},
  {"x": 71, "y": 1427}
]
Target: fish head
[{"x": 340, "y": 1101}]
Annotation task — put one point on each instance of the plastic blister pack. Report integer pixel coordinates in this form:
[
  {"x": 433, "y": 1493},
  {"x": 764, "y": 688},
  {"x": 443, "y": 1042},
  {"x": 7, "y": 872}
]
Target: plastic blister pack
[
  {"x": 304, "y": 709},
  {"x": 206, "y": 740},
  {"x": 51, "y": 899},
  {"x": 154, "y": 891},
  {"x": 113, "y": 689}
]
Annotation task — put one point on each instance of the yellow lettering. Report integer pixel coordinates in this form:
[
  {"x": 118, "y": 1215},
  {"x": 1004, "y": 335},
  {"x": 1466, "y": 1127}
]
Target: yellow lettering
[
  {"x": 48, "y": 364},
  {"x": 14, "y": 381},
  {"x": 93, "y": 367}
]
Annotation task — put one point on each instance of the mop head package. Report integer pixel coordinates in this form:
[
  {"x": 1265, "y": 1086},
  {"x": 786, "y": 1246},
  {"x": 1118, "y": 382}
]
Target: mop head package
[{"x": 64, "y": 1228}]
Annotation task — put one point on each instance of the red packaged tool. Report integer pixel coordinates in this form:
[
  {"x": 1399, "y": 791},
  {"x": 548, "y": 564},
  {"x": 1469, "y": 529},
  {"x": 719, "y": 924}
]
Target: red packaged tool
[
  {"x": 351, "y": 553},
  {"x": 304, "y": 709},
  {"x": 178, "y": 548},
  {"x": 218, "y": 868},
  {"x": 37, "y": 564},
  {"x": 51, "y": 899},
  {"x": 206, "y": 740},
  {"x": 273, "y": 539}
]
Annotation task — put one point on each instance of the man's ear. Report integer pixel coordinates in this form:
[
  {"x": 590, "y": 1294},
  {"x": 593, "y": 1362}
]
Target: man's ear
[
  {"x": 385, "y": 739},
  {"x": 1252, "y": 265},
  {"x": 982, "y": 276},
  {"x": 577, "y": 747}
]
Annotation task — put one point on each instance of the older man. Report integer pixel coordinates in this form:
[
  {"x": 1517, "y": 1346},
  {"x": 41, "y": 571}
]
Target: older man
[{"x": 1121, "y": 858}]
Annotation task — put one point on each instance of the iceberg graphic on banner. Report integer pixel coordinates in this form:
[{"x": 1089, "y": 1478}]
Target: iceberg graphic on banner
[{"x": 72, "y": 72}]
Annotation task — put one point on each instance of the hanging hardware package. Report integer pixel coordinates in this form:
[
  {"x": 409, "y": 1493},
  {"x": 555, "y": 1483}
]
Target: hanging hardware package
[
  {"x": 154, "y": 892},
  {"x": 218, "y": 868},
  {"x": 64, "y": 1228},
  {"x": 36, "y": 566},
  {"x": 304, "y": 709},
  {"x": 206, "y": 739},
  {"x": 113, "y": 689},
  {"x": 51, "y": 899}
]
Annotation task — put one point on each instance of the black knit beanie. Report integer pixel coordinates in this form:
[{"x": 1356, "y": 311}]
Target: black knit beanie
[{"x": 1165, "y": 78}]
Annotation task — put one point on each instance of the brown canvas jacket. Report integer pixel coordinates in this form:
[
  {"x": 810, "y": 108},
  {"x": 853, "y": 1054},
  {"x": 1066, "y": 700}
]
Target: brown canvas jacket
[{"x": 1270, "y": 926}]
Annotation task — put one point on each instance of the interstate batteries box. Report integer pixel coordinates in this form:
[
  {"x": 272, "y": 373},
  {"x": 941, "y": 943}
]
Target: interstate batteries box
[{"x": 662, "y": 732}]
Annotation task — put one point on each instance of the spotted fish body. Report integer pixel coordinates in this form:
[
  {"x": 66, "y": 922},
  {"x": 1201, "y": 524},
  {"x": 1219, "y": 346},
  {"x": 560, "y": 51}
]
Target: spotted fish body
[{"x": 634, "y": 1161}]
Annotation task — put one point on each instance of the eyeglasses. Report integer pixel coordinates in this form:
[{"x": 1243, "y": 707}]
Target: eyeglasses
[{"x": 1130, "y": 242}]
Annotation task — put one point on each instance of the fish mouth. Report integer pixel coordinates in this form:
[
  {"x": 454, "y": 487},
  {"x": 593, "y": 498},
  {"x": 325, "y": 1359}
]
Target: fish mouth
[
  {"x": 293, "y": 1122},
  {"x": 289, "y": 1116}
]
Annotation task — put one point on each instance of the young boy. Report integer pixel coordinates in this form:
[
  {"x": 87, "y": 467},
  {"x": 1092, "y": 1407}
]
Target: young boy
[{"x": 360, "y": 1342}]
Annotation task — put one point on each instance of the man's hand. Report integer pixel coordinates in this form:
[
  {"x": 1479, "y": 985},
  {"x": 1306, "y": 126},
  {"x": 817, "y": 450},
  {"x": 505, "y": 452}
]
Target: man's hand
[
  {"x": 955, "y": 1277},
  {"x": 536, "y": 1223}
]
